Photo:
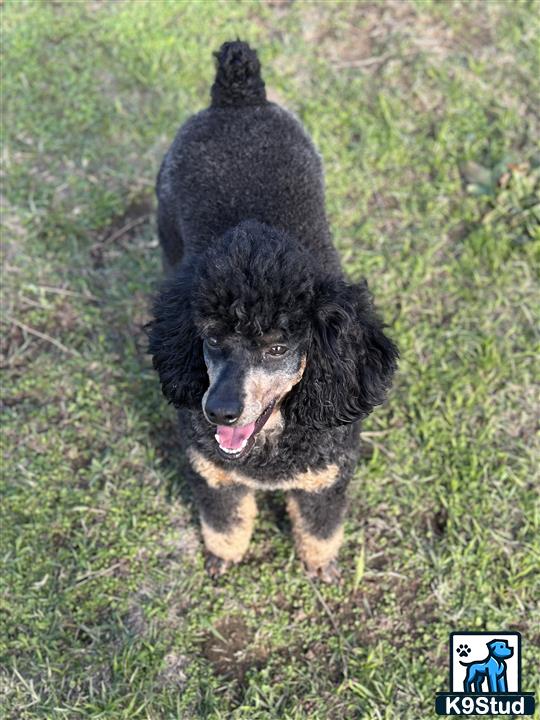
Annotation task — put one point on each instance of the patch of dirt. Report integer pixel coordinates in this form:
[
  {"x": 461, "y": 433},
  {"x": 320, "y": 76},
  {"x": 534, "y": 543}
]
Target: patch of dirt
[
  {"x": 173, "y": 672},
  {"x": 231, "y": 649},
  {"x": 518, "y": 419},
  {"x": 184, "y": 544},
  {"x": 317, "y": 656},
  {"x": 388, "y": 604},
  {"x": 135, "y": 619},
  {"x": 385, "y": 607},
  {"x": 434, "y": 522},
  {"x": 176, "y": 553},
  {"x": 366, "y": 35}
]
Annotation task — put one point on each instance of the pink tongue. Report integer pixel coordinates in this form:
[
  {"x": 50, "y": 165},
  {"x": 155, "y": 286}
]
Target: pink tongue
[{"x": 233, "y": 437}]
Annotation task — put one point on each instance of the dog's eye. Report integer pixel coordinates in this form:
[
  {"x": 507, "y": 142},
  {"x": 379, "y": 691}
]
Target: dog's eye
[
  {"x": 277, "y": 350},
  {"x": 212, "y": 342}
]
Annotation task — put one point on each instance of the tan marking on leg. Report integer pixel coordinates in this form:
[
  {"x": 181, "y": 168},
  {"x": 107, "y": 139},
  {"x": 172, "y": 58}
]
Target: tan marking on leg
[
  {"x": 315, "y": 552},
  {"x": 216, "y": 477},
  {"x": 233, "y": 544}
]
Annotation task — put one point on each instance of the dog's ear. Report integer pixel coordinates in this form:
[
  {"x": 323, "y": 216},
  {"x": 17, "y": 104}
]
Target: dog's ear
[
  {"x": 350, "y": 361},
  {"x": 175, "y": 344}
]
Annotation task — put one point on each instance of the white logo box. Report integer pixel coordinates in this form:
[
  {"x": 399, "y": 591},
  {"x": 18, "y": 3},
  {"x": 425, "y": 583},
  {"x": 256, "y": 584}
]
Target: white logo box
[{"x": 477, "y": 642}]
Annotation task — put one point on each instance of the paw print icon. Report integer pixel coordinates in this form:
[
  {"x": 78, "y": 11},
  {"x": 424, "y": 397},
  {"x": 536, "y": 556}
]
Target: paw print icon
[{"x": 463, "y": 650}]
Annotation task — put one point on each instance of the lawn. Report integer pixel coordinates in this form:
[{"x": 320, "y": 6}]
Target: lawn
[{"x": 427, "y": 117}]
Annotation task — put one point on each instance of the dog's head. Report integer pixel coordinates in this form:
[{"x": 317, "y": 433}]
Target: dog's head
[
  {"x": 254, "y": 331},
  {"x": 500, "y": 650}
]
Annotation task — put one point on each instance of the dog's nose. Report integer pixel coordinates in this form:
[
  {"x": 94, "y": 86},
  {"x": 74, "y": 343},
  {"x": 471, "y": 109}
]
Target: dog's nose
[{"x": 223, "y": 411}]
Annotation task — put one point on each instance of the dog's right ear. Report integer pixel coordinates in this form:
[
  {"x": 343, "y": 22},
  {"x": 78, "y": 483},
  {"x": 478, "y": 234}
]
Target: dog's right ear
[
  {"x": 175, "y": 344},
  {"x": 350, "y": 362}
]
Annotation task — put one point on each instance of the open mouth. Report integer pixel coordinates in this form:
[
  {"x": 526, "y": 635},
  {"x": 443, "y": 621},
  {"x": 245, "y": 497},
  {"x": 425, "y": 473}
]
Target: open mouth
[{"x": 236, "y": 441}]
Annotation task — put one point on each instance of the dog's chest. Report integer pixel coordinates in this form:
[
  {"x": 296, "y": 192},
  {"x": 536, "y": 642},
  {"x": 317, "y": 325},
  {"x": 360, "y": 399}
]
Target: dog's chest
[{"x": 217, "y": 477}]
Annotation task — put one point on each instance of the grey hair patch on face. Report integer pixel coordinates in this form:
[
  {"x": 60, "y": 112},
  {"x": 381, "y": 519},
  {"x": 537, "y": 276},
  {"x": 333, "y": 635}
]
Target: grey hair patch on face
[{"x": 263, "y": 386}]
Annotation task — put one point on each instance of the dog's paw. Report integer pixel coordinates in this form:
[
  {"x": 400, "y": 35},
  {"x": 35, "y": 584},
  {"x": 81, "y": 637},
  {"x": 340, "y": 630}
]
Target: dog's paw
[
  {"x": 329, "y": 574},
  {"x": 216, "y": 566},
  {"x": 463, "y": 650}
]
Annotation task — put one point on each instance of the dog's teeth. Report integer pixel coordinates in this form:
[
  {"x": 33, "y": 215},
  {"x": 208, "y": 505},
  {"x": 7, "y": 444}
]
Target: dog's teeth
[
  {"x": 225, "y": 450},
  {"x": 229, "y": 451},
  {"x": 232, "y": 451}
]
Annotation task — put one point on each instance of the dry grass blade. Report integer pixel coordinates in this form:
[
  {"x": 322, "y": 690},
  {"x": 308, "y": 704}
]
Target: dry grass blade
[{"x": 43, "y": 336}]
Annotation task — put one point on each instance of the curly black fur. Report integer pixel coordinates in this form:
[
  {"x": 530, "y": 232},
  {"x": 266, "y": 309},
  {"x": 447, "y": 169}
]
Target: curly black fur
[
  {"x": 238, "y": 77},
  {"x": 242, "y": 226},
  {"x": 242, "y": 284}
]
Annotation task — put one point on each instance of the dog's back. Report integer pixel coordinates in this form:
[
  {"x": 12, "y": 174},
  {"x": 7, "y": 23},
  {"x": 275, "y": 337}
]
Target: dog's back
[{"x": 242, "y": 158}]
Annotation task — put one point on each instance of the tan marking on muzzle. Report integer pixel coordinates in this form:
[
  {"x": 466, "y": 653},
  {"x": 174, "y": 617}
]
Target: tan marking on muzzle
[
  {"x": 216, "y": 477},
  {"x": 262, "y": 387},
  {"x": 233, "y": 544},
  {"x": 315, "y": 552}
]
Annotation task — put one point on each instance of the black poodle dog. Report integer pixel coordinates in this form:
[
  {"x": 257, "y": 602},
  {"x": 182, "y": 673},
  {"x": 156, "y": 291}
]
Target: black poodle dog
[{"x": 271, "y": 356}]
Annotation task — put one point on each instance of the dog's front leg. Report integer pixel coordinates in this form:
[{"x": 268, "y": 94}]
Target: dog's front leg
[
  {"x": 317, "y": 522},
  {"x": 227, "y": 511},
  {"x": 227, "y": 517},
  {"x": 227, "y": 524}
]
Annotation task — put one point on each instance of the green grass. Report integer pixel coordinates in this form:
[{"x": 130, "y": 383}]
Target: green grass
[{"x": 426, "y": 114}]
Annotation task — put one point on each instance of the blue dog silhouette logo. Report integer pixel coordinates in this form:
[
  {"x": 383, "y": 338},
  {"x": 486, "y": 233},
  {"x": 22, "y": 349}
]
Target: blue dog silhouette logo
[
  {"x": 485, "y": 676},
  {"x": 493, "y": 668}
]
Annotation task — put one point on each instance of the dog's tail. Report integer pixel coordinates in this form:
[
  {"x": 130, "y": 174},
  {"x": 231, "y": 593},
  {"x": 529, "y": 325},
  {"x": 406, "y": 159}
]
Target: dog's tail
[{"x": 238, "y": 79}]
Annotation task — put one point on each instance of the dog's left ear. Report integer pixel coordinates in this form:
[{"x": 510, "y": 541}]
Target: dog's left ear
[
  {"x": 175, "y": 344},
  {"x": 350, "y": 361}
]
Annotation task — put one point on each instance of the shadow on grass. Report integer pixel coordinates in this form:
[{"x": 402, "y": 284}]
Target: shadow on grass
[{"x": 127, "y": 255}]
